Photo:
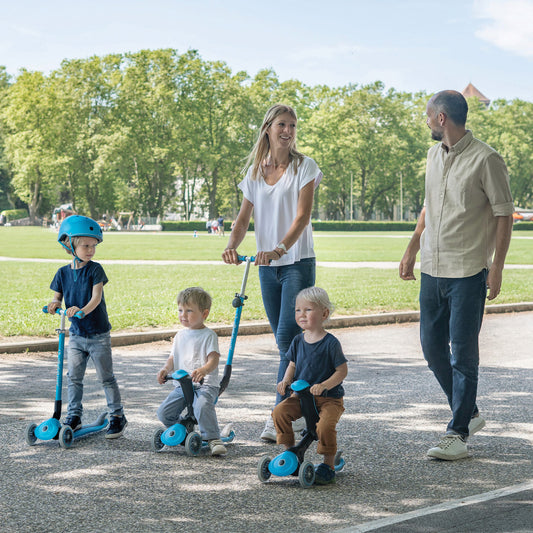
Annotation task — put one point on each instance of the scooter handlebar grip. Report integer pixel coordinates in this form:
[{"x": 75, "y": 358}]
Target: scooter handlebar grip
[
  {"x": 244, "y": 258},
  {"x": 59, "y": 311}
]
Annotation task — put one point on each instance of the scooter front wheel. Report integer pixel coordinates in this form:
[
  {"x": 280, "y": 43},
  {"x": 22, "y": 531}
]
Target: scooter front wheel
[
  {"x": 306, "y": 474},
  {"x": 31, "y": 439},
  {"x": 66, "y": 436},
  {"x": 193, "y": 444},
  {"x": 263, "y": 473},
  {"x": 156, "y": 443}
]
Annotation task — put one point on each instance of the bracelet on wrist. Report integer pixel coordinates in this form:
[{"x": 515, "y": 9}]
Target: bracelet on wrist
[{"x": 277, "y": 253}]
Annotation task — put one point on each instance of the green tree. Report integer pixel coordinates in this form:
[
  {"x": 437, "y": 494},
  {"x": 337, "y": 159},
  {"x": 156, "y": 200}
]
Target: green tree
[{"x": 31, "y": 129}]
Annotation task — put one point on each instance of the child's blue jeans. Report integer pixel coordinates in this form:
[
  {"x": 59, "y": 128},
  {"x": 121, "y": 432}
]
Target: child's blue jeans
[
  {"x": 204, "y": 410},
  {"x": 98, "y": 348}
]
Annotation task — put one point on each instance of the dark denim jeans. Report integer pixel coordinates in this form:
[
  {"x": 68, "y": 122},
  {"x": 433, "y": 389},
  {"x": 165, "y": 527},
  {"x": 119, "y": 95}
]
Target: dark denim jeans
[
  {"x": 279, "y": 288},
  {"x": 451, "y": 313}
]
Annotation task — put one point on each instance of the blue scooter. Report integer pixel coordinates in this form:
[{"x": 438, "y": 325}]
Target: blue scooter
[
  {"x": 292, "y": 461},
  {"x": 183, "y": 433},
  {"x": 52, "y": 429}
]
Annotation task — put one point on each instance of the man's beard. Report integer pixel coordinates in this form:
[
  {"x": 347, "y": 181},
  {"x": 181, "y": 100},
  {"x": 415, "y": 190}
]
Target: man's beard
[{"x": 436, "y": 135}]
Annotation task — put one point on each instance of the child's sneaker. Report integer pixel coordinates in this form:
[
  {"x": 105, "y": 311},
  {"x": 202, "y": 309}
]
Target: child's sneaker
[
  {"x": 324, "y": 474},
  {"x": 73, "y": 421},
  {"x": 269, "y": 433},
  {"x": 117, "y": 425},
  {"x": 216, "y": 447},
  {"x": 450, "y": 448}
]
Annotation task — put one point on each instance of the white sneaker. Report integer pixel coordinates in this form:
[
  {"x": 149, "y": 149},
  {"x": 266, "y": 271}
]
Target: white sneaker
[
  {"x": 476, "y": 424},
  {"x": 216, "y": 447},
  {"x": 299, "y": 425},
  {"x": 450, "y": 448},
  {"x": 269, "y": 433}
]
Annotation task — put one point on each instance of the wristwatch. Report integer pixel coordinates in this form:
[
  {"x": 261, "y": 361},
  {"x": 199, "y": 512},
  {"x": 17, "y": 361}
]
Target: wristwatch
[{"x": 281, "y": 246}]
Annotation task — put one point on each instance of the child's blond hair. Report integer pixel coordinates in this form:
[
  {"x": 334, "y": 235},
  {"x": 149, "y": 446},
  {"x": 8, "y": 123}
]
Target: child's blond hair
[
  {"x": 317, "y": 296},
  {"x": 195, "y": 295},
  {"x": 73, "y": 241}
]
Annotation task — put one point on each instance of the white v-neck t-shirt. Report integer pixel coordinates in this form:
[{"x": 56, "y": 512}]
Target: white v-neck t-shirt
[{"x": 276, "y": 206}]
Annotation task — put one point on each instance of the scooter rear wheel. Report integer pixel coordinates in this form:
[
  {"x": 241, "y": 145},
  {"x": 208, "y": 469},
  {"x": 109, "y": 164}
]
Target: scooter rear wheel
[
  {"x": 193, "y": 444},
  {"x": 156, "y": 444},
  {"x": 263, "y": 473},
  {"x": 31, "y": 439},
  {"x": 66, "y": 436},
  {"x": 306, "y": 474}
]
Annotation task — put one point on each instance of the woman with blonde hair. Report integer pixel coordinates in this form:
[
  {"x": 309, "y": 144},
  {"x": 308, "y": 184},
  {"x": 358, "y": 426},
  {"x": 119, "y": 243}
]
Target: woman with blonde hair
[{"x": 278, "y": 188}]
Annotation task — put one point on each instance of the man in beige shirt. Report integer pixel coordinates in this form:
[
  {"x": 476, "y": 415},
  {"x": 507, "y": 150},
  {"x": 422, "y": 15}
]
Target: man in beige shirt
[{"x": 463, "y": 235}]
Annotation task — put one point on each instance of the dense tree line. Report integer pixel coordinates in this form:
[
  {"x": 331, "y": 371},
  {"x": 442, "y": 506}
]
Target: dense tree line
[{"x": 156, "y": 131}]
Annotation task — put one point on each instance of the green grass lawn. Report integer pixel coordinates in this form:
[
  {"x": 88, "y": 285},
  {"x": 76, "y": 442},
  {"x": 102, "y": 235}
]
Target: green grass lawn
[{"x": 144, "y": 296}]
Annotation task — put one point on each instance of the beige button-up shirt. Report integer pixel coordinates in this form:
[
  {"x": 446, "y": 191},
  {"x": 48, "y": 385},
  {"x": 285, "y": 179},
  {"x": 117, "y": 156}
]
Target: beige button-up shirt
[{"x": 467, "y": 187}]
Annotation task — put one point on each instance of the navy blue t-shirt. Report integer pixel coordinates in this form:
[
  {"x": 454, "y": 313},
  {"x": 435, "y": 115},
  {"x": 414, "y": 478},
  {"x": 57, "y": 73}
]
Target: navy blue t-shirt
[
  {"x": 77, "y": 289},
  {"x": 317, "y": 362}
]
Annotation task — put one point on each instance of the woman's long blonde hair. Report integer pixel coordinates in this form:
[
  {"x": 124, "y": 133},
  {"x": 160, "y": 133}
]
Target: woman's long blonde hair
[{"x": 261, "y": 147}]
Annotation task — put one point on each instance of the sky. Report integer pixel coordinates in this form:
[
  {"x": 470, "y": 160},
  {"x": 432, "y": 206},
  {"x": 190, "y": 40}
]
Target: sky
[{"x": 409, "y": 45}]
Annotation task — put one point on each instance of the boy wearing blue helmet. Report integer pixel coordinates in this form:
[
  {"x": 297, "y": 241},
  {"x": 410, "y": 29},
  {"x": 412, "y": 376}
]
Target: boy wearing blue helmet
[{"x": 81, "y": 285}]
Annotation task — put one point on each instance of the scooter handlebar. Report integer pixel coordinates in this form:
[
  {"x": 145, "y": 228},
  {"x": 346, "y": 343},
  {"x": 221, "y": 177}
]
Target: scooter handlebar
[
  {"x": 59, "y": 311},
  {"x": 244, "y": 258}
]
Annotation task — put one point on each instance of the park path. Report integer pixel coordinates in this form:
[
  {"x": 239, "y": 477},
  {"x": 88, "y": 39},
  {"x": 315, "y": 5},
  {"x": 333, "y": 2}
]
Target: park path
[{"x": 394, "y": 412}]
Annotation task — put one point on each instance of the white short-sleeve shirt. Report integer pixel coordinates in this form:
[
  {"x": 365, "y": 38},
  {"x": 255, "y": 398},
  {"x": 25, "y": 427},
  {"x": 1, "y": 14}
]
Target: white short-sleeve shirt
[
  {"x": 190, "y": 350},
  {"x": 276, "y": 206}
]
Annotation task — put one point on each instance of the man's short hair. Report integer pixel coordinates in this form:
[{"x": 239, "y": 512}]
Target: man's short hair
[{"x": 453, "y": 104}]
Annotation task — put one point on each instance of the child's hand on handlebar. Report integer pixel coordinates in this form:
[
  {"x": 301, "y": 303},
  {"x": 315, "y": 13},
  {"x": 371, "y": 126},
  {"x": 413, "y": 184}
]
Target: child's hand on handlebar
[
  {"x": 282, "y": 387},
  {"x": 161, "y": 375},
  {"x": 71, "y": 311},
  {"x": 53, "y": 306},
  {"x": 318, "y": 389},
  {"x": 198, "y": 375}
]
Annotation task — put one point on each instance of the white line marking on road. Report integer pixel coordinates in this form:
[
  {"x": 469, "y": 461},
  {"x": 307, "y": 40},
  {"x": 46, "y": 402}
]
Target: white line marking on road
[{"x": 447, "y": 506}]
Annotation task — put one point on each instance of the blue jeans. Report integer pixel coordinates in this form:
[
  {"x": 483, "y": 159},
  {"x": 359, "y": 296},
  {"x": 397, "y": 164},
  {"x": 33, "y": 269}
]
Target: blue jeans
[
  {"x": 98, "y": 348},
  {"x": 279, "y": 288},
  {"x": 203, "y": 406},
  {"x": 451, "y": 313}
]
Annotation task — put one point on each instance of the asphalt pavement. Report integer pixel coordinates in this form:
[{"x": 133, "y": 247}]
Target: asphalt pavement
[{"x": 395, "y": 411}]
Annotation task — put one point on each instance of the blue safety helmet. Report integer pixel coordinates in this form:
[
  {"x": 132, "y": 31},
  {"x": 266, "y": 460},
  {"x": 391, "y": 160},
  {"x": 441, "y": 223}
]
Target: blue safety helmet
[{"x": 78, "y": 226}]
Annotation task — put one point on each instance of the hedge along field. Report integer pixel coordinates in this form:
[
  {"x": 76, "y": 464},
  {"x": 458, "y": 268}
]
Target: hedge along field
[{"x": 144, "y": 296}]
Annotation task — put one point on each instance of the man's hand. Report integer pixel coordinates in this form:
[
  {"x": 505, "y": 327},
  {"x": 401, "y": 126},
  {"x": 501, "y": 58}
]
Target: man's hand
[
  {"x": 494, "y": 282},
  {"x": 407, "y": 267}
]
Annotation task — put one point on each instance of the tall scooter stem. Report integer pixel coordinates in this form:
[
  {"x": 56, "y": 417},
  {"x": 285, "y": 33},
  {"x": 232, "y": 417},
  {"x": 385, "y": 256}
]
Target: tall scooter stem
[
  {"x": 61, "y": 358},
  {"x": 238, "y": 303}
]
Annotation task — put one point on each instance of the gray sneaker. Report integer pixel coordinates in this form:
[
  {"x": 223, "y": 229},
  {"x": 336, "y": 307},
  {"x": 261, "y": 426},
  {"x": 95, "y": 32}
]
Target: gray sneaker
[
  {"x": 450, "y": 448},
  {"x": 476, "y": 424}
]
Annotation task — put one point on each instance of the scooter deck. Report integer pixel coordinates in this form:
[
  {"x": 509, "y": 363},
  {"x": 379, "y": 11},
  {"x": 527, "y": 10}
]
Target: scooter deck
[
  {"x": 225, "y": 440},
  {"x": 338, "y": 466},
  {"x": 98, "y": 425}
]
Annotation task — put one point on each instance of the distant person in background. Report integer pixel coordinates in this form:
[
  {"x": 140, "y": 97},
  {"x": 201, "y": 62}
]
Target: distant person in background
[
  {"x": 278, "y": 189},
  {"x": 220, "y": 225},
  {"x": 463, "y": 235}
]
